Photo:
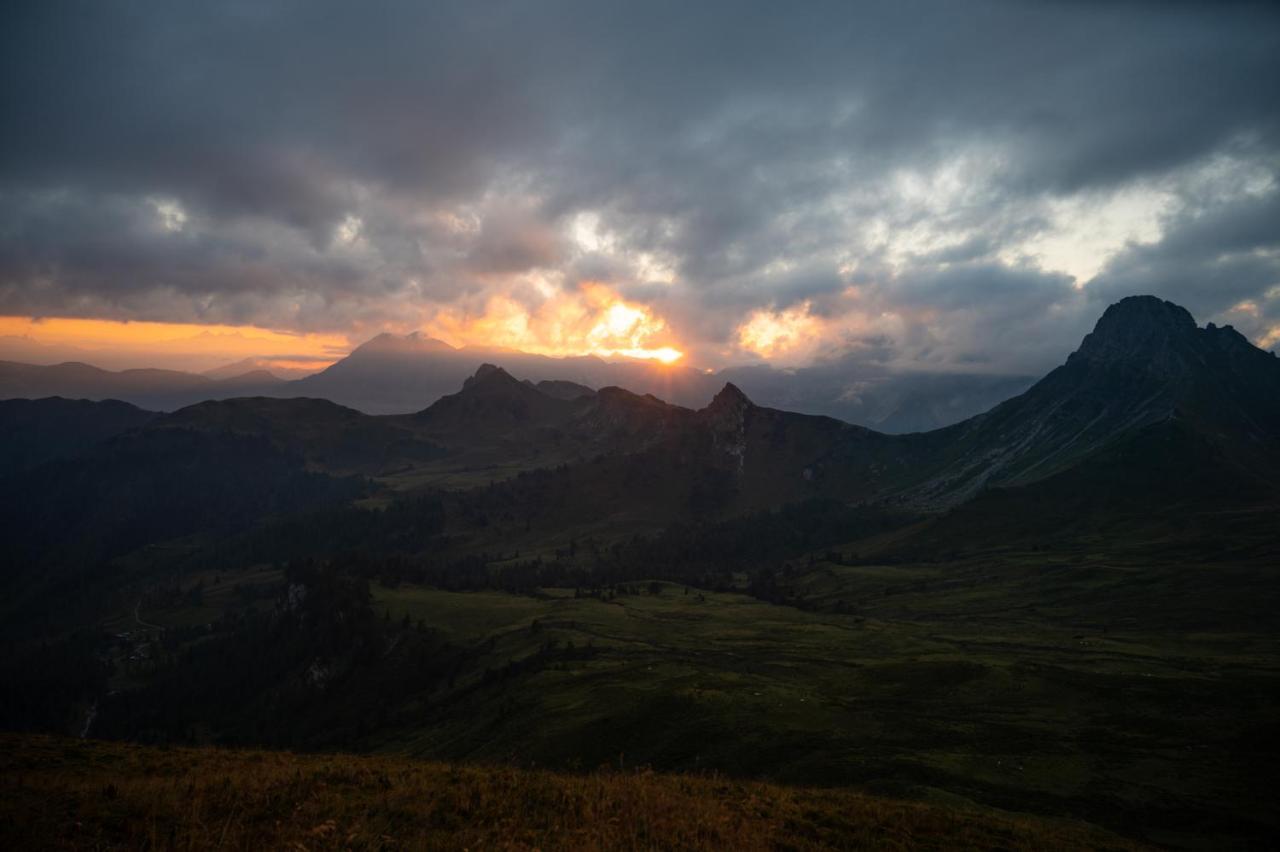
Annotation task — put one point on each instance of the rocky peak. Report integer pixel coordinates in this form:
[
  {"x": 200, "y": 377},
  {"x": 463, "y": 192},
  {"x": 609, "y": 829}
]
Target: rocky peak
[
  {"x": 489, "y": 375},
  {"x": 1140, "y": 329},
  {"x": 727, "y": 418},
  {"x": 394, "y": 344},
  {"x": 729, "y": 400},
  {"x": 1227, "y": 339}
]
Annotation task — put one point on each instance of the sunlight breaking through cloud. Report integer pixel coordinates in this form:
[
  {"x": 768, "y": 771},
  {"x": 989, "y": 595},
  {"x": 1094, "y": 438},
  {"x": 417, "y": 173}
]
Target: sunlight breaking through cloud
[{"x": 589, "y": 320}]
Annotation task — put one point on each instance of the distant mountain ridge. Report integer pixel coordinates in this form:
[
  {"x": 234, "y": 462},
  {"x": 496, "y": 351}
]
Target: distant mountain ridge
[
  {"x": 147, "y": 388},
  {"x": 272, "y": 370},
  {"x": 393, "y": 374}
]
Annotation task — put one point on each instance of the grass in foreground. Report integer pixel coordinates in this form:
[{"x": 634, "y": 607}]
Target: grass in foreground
[{"x": 60, "y": 793}]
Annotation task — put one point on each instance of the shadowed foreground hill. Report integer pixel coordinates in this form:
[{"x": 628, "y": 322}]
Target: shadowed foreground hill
[
  {"x": 79, "y": 794},
  {"x": 34, "y": 431}
]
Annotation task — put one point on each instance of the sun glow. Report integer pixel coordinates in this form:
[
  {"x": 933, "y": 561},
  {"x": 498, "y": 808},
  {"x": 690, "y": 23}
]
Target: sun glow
[
  {"x": 590, "y": 320},
  {"x": 665, "y": 354}
]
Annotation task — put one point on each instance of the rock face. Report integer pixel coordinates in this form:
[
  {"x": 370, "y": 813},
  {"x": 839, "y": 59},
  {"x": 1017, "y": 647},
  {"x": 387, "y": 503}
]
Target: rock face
[
  {"x": 1143, "y": 331},
  {"x": 726, "y": 417}
]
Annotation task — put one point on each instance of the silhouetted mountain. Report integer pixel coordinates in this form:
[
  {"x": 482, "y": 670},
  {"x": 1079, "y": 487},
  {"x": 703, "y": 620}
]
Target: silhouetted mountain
[
  {"x": 393, "y": 374},
  {"x": 563, "y": 389},
  {"x": 624, "y": 421},
  {"x": 242, "y": 368},
  {"x": 162, "y": 390},
  {"x": 328, "y": 436},
  {"x": 492, "y": 401},
  {"x": 34, "y": 431}
]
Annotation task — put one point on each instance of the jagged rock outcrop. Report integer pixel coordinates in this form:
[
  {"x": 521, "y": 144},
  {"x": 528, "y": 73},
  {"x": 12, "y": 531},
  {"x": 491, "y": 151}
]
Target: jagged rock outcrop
[{"x": 726, "y": 417}]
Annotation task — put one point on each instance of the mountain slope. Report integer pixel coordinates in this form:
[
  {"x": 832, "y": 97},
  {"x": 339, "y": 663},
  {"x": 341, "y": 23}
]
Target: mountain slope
[
  {"x": 150, "y": 485},
  {"x": 492, "y": 401},
  {"x": 328, "y": 436},
  {"x": 1146, "y": 362}
]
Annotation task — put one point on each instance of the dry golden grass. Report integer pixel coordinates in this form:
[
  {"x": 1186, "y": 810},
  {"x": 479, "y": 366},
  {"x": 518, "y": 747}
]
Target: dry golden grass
[{"x": 72, "y": 794}]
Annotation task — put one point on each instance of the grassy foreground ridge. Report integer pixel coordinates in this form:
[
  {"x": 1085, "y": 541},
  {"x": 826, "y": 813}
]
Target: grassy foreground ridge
[{"x": 81, "y": 794}]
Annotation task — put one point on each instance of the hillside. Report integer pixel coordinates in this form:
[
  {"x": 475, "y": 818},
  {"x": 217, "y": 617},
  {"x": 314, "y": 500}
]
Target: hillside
[
  {"x": 329, "y": 436},
  {"x": 35, "y": 431},
  {"x": 75, "y": 794}
]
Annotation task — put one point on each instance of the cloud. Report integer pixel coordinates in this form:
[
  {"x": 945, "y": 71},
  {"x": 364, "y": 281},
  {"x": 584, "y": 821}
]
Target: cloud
[
  {"x": 1220, "y": 259},
  {"x": 965, "y": 183}
]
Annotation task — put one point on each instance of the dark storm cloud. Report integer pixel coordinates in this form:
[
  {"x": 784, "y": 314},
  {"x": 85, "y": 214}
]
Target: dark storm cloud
[
  {"x": 335, "y": 162},
  {"x": 509, "y": 241}
]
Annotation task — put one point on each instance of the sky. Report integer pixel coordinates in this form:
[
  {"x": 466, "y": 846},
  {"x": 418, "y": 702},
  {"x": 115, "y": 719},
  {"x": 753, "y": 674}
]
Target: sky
[{"x": 930, "y": 186}]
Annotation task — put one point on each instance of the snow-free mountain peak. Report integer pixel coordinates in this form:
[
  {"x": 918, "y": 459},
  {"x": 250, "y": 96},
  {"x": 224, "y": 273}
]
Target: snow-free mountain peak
[
  {"x": 730, "y": 398},
  {"x": 387, "y": 343},
  {"x": 1141, "y": 328},
  {"x": 489, "y": 374}
]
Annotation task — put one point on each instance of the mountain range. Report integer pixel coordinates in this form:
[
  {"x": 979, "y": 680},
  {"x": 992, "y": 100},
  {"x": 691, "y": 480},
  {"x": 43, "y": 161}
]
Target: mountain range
[
  {"x": 1146, "y": 378},
  {"x": 161, "y": 390},
  {"x": 393, "y": 374}
]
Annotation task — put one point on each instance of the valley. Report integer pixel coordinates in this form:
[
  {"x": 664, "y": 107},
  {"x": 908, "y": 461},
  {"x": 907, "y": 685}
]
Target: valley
[{"x": 1054, "y": 682}]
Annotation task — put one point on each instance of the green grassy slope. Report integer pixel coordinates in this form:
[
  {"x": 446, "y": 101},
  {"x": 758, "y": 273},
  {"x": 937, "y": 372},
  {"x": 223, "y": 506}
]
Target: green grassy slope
[{"x": 932, "y": 681}]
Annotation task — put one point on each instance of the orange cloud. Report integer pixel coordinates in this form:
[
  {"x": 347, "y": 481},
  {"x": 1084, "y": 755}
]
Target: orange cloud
[
  {"x": 177, "y": 345},
  {"x": 784, "y": 335},
  {"x": 592, "y": 320}
]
